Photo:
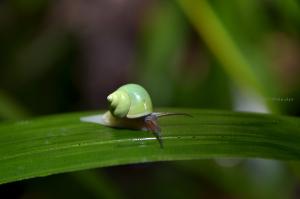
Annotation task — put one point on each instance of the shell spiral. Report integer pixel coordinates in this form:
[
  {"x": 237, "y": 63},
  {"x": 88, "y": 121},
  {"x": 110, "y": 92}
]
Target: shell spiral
[{"x": 130, "y": 101}]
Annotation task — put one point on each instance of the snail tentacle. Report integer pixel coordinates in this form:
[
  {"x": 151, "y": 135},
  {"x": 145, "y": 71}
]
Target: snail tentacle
[{"x": 163, "y": 114}]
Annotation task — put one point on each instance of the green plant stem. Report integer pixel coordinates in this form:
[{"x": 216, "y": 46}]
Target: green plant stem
[{"x": 220, "y": 42}]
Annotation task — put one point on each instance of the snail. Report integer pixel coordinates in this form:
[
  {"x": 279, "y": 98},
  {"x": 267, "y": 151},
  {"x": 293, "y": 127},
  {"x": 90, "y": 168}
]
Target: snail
[{"x": 130, "y": 107}]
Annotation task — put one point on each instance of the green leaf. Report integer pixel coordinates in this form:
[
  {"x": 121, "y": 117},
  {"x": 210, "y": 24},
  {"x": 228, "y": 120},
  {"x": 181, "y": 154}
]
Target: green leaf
[{"x": 61, "y": 143}]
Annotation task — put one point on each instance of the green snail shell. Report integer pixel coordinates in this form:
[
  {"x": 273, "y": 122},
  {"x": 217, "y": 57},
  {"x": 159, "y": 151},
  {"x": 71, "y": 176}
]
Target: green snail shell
[{"x": 130, "y": 101}]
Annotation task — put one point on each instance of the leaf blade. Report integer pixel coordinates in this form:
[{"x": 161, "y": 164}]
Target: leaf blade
[{"x": 61, "y": 143}]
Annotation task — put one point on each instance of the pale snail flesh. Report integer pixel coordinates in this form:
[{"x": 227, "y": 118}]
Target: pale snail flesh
[{"x": 130, "y": 107}]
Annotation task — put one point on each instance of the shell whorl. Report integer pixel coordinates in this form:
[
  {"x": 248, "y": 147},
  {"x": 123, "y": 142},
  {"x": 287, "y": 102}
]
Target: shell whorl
[{"x": 119, "y": 102}]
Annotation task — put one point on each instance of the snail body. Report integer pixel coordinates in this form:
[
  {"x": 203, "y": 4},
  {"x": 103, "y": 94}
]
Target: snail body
[{"x": 130, "y": 106}]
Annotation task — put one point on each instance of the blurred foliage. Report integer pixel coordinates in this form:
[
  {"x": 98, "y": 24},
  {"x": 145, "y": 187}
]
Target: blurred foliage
[
  {"x": 186, "y": 55},
  {"x": 245, "y": 178}
]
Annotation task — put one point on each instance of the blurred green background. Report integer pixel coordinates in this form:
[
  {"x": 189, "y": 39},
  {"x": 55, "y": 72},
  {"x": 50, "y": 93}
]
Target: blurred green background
[{"x": 68, "y": 55}]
